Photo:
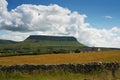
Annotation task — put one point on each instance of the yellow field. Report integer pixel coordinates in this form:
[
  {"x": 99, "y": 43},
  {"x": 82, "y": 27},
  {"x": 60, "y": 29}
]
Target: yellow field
[{"x": 104, "y": 56}]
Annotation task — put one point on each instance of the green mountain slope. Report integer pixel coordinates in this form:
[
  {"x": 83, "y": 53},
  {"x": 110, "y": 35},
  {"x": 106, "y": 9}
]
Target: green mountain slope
[
  {"x": 44, "y": 41},
  {"x": 42, "y": 44}
]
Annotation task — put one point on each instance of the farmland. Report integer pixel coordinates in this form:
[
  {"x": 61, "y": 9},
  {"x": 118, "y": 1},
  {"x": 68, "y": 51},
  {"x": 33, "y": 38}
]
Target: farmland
[{"x": 103, "y": 56}]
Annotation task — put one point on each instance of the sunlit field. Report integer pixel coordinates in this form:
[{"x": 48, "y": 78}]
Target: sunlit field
[{"x": 103, "y": 56}]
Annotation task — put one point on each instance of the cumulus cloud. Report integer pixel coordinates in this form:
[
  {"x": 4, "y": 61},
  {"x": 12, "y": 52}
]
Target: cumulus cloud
[
  {"x": 101, "y": 37},
  {"x": 40, "y": 18},
  {"x": 108, "y": 17},
  {"x": 27, "y": 19}
]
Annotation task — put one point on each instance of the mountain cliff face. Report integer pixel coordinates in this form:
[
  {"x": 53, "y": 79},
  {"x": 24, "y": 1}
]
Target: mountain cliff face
[{"x": 51, "y": 38}]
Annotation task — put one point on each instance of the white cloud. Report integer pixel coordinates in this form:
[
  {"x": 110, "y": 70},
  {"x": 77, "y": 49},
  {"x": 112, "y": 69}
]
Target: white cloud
[
  {"x": 53, "y": 20},
  {"x": 108, "y": 17},
  {"x": 15, "y": 36},
  {"x": 101, "y": 37}
]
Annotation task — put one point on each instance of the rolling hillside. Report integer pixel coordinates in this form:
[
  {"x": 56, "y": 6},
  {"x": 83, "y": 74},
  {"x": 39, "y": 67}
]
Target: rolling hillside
[{"x": 2, "y": 42}]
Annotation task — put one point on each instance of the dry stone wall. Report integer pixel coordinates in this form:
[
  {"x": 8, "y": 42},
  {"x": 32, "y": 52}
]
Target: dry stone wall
[{"x": 77, "y": 68}]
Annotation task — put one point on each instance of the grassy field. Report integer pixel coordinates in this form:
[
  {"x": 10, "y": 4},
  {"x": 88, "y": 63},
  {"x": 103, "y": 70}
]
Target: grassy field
[
  {"x": 103, "y": 56},
  {"x": 106, "y": 75}
]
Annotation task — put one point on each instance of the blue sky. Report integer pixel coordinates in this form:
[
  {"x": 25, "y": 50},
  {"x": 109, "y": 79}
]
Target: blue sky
[{"x": 96, "y": 10}]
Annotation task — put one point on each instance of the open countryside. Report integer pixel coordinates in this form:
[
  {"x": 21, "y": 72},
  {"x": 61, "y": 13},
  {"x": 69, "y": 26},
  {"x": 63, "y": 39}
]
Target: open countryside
[{"x": 59, "y": 40}]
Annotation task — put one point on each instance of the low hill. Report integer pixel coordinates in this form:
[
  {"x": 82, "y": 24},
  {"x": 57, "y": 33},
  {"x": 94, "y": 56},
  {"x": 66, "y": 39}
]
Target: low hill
[
  {"x": 42, "y": 44},
  {"x": 6, "y": 42}
]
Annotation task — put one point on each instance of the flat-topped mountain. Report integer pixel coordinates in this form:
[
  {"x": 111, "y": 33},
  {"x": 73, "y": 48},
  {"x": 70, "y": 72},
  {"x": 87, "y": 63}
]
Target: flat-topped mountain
[
  {"x": 42, "y": 44},
  {"x": 52, "y": 40}
]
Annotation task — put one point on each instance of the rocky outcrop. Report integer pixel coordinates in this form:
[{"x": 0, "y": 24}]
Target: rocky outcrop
[{"x": 51, "y": 38}]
